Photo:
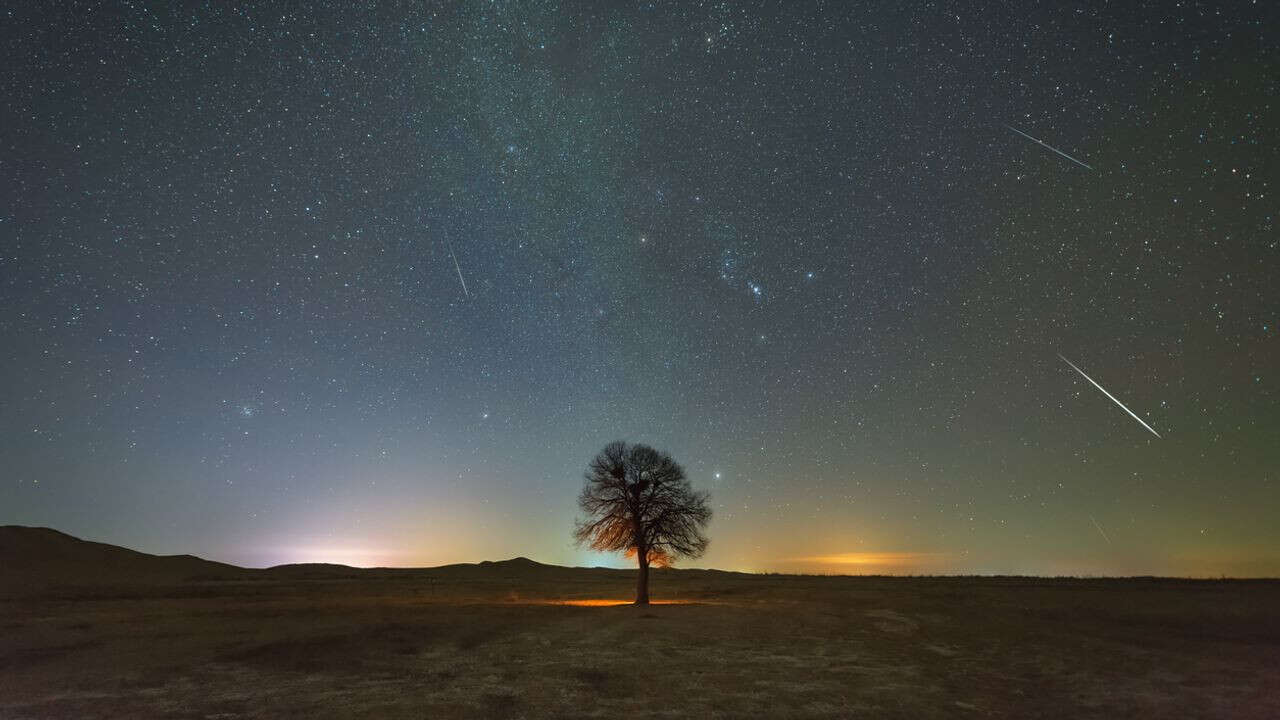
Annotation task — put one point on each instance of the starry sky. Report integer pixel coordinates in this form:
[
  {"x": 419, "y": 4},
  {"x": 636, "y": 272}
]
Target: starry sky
[{"x": 370, "y": 283}]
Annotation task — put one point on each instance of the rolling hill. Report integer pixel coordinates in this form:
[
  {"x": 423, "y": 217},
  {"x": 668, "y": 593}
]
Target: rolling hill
[
  {"x": 32, "y": 558},
  {"x": 36, "y": 559}
]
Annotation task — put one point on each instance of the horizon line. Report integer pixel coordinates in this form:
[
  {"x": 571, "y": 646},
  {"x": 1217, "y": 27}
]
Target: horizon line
[{"x": 956, "y": 574}]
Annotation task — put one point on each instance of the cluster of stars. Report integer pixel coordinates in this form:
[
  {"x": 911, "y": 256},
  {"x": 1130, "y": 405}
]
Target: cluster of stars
[{"x": 369, "y": 271}]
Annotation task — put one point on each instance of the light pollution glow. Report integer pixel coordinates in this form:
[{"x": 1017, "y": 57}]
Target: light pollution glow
[{"x": 877, "y": 559}]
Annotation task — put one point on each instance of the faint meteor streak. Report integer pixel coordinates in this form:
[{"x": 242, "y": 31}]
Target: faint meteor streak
[
  {"x": 1104, "y": 532},
  {"x": 1113, "y": 397},
  {"x": 1047, "y": 145},
  {"x": 458, "y": 268}
]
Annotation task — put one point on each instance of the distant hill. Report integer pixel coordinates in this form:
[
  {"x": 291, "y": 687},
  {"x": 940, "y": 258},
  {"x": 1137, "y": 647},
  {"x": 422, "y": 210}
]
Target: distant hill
[
  {"x": 519, "y": 565},
  {"x": 312, "y": 571},
  {"x": 36, "y": 559},
  {"x": 33, "y": 558}
]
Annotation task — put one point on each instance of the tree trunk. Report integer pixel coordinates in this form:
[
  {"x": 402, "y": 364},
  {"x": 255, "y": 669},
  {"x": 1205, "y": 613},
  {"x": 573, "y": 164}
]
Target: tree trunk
[{"x": 642, "y": 579}]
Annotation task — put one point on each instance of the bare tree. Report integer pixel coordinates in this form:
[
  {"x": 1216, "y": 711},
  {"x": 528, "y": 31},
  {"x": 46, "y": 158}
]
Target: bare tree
[{"x": 638, "y": 500}]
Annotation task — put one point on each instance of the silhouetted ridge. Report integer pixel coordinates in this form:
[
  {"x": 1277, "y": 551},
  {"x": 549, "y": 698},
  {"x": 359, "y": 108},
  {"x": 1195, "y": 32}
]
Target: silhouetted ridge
[
  {"x": 313, "y": 571},
  {"x": 320, "y": 567},
  {"x": 515, "y": 562},
  {"x": 36, "y": 560},
  {"x": 36, "y": 557}
]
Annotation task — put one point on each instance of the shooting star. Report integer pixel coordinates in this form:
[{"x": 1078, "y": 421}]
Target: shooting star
[
  {"x": 1047, "y": 145},
  {"x": 458, "y": 268},
  {"x": 1113, "y": 397},
  {"x": 1104, "y": 532}
]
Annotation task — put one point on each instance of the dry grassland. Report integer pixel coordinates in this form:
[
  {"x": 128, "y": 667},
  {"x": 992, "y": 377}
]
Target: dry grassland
[{"x": 527, "y": 642}]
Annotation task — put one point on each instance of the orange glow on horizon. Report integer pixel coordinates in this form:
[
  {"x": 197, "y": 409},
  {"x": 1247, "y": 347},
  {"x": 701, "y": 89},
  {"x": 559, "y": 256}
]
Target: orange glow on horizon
[
  {"x": 872, "y": 558},
  {"x": 601, "y": 602}
]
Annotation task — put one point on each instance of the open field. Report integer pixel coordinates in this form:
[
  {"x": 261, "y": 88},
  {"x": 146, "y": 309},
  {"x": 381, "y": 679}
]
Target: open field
[{"x": 504, "y": 640}]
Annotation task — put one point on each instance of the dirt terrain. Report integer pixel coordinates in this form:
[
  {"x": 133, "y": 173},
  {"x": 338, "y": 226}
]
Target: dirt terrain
[{"x": 519, "y": 639}]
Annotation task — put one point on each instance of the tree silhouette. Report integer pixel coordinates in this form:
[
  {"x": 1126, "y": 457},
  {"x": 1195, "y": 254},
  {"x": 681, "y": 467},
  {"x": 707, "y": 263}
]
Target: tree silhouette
[{"x": 638, "y": 501}]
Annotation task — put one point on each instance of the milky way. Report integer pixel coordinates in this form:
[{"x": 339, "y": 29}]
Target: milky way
[{"x": 793, "y": 245}]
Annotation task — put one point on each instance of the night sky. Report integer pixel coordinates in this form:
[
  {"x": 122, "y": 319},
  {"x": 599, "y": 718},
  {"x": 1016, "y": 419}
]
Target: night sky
[{"x": 370, "y": 283}]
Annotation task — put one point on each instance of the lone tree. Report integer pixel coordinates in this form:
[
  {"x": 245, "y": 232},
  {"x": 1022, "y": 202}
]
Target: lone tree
[{"x": 638, "y": 501}]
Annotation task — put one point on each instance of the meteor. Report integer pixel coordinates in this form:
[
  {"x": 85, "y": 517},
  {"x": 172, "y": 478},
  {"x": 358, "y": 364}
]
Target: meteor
[
  {"x": 1047, "y": 145},
  {"x": 1104, "y": 532},
  {"x": 458, "y": 268},
  {"x": 1113, "y": 397}
]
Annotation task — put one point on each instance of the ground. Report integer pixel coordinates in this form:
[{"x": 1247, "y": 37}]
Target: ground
[{"x": 532, "y": 644}]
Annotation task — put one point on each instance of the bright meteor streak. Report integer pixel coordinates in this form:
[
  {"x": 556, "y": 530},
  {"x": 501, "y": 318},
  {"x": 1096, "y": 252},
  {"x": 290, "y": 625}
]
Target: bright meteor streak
[
  {"x": 1047, "y": 145},
  {"x": 1113, "y": 397}
]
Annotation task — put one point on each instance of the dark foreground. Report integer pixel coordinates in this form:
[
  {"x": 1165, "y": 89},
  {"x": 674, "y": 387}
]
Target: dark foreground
[{"x": 500, "y": 642}]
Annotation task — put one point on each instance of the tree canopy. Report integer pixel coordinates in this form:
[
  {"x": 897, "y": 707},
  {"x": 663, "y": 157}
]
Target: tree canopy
[{"x": 637, "y": 500}]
